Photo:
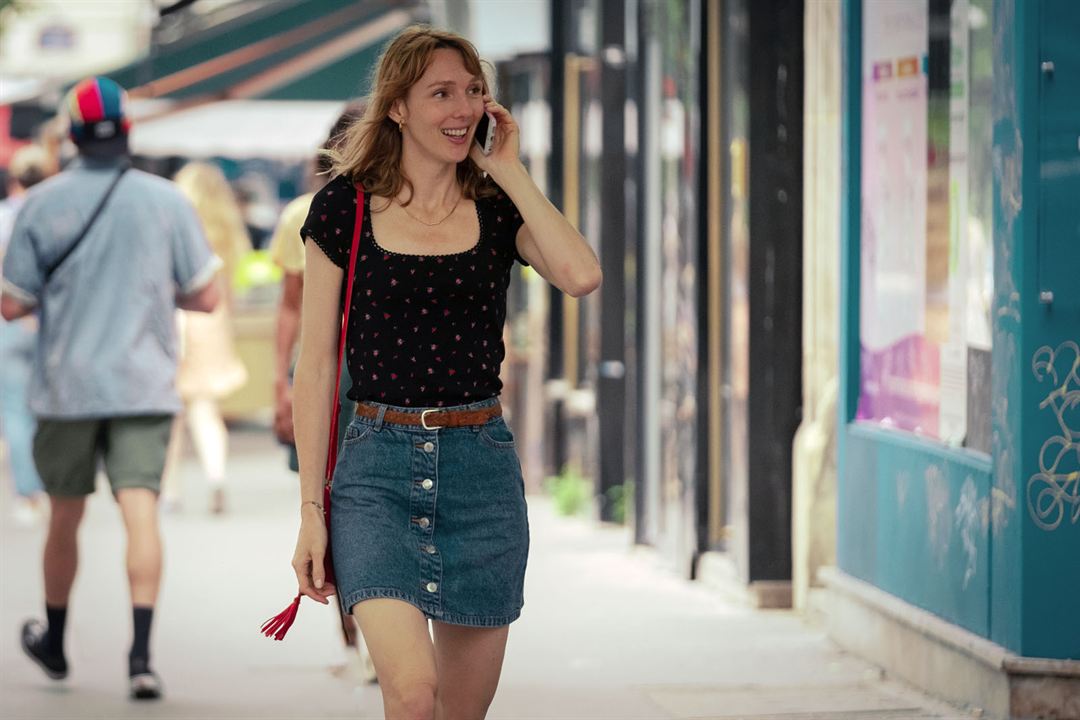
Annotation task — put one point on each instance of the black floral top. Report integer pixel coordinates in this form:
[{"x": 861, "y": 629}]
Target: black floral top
[{"x": 424, "y": 330}]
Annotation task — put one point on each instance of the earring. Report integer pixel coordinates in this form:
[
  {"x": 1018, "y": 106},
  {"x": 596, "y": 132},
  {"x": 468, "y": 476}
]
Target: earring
[{"x": 401, "y": 125}]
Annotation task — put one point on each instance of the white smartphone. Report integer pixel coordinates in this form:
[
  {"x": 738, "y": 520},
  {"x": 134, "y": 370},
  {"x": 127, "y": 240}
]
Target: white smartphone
[{"x": 485, "y": 133}]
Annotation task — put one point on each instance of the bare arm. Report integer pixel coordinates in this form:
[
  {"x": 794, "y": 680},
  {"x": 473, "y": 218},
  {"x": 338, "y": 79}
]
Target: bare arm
[
  {"x": 203, "y": 300},
  {"x": 288, "y": 330},
  {"x": 547, "y": 240},
  {"x": 12, "y": 308},
  {"x": 313, "y": 388}
]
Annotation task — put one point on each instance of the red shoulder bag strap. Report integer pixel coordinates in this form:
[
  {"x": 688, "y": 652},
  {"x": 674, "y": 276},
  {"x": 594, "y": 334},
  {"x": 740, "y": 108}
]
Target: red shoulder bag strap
[
  {"x": 332, "y": 445},
  {"x": 277, "y": 626}
]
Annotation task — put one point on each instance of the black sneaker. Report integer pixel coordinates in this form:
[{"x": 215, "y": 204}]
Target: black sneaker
[
  {"x": 145, "y": 683},
  {"x": 33, "y": 644}
]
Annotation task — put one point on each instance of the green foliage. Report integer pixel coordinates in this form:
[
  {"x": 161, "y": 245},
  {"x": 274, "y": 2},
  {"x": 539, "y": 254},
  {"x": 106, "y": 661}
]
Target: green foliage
[
  {"x": 619, "y": 498},
  {"x": 570, "y": 491}
]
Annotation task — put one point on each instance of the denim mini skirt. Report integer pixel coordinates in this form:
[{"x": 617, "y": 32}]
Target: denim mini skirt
[{"x": 436, "y": 518}]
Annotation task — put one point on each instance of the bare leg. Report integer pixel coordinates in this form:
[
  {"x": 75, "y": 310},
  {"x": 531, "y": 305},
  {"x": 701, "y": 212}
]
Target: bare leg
[
  {"x": 62, "y": 549},
  {"x": 170, "y": 482},
  {"x": 211, "y": 440},
  {"x": 469, "y": 662},
  {"x": 210, "y": 437},
  {"x": 397, "y": 638},
  {"x": 139, "y": 509}
]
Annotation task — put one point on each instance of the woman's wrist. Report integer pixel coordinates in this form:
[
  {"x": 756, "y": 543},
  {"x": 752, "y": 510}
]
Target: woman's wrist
[
  {"x": 312, "y": 506},
  {"x": 512, "y": 172}
]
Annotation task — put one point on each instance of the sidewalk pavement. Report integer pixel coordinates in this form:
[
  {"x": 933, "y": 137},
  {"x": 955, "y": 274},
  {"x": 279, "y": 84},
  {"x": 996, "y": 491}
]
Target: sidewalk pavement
[{"x": 607, "y": 632}]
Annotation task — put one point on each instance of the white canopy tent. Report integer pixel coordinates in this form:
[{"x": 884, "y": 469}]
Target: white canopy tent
[{"x": 269, "y": 129}]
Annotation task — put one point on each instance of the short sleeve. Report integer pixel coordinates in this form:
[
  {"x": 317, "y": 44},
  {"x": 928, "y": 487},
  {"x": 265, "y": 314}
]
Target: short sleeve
[
  {"x": 24, "y": 278},
  {"x": 507, "y": 223},
  {"x": 194, "y": 265},
  {"x": 286, "y": 247},
  {"x": 331, "y": 219}
]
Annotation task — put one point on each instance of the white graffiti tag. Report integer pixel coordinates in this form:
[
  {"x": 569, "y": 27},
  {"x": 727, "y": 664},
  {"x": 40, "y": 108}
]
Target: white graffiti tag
[{"x": 1054, "y": 491}]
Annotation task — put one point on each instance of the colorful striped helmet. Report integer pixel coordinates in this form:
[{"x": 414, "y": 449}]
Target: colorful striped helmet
[{"x": 95, "y": 107}]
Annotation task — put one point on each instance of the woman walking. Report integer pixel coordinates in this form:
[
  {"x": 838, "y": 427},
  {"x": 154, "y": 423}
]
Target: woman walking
[
  {"x": 210, "y": 368},
  {"x": 429, "y": 515}
]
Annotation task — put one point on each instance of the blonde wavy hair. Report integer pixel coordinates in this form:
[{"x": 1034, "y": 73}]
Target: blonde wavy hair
[
  {"x": 209, "y": 192},
  {"x": 370, "y": 150}
]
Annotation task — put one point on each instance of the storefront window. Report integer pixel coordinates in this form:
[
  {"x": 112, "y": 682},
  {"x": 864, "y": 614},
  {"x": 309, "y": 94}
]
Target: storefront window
[
  {"x": 672, "y": 79},
  {"x": 736, "y": 355},
  {"x": 926, "y": 273}
]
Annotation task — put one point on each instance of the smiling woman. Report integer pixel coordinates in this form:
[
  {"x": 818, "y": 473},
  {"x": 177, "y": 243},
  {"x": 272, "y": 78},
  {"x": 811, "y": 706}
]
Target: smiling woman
[
  {"x": 441, "y": 80},
  {"x": 429, "y": 228}
]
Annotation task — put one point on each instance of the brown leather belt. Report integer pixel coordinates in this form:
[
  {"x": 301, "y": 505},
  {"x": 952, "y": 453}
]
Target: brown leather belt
[{"x": 434, "y": 418}]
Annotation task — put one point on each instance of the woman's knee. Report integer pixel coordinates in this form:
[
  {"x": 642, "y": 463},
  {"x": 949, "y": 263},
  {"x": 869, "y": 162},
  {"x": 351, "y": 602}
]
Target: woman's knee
[{"x": 409, "y": 699}]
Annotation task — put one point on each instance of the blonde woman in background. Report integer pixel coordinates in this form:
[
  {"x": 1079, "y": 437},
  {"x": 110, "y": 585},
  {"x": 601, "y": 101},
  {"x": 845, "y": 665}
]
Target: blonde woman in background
[{"x": 209, "y": 366}]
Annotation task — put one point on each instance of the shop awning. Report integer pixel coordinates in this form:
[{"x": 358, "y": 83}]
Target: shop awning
[
  {"x": 281, "y": 50},
  {"x": 270, "y": 129}
]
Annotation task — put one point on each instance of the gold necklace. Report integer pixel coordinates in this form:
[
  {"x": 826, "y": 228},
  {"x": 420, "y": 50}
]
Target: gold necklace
[{"x": 431, "y": 224}]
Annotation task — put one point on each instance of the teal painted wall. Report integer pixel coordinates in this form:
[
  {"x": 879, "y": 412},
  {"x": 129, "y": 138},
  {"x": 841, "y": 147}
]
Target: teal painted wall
[
  {"x": 912, "y": 515},
  {"x": 1009, "y": 233},
  {"x": 990, "y": 544},
  {"x": 1050, "y": 339},
  {"x": 1036, "y": 500},
  {"x": 917, "y": 512}
]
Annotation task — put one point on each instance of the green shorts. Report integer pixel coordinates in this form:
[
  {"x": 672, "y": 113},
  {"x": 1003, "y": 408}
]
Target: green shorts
[{"x": 132, "y": 449}]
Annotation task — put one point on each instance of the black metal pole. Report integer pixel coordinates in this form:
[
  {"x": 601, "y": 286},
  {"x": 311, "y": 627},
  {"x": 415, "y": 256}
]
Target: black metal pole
[
  {"x": 706, "y": 81},
  {"x": 636, "y": 79},
  {"x": 776, "y": 150},
  {"x": 611, "y": 383},
  {"x": 556, "y": 367}
]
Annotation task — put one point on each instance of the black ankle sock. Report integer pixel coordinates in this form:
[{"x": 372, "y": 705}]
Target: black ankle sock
[
  {"x": 54, "y": 638},
  {"x": 140, "y": 646}
]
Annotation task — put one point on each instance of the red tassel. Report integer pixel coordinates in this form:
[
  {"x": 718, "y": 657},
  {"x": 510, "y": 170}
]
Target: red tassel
[{"x": 278, "y": 625}]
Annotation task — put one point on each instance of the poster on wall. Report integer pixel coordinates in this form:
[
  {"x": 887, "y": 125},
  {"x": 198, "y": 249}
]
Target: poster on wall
[{"x": 900, "y": 366}]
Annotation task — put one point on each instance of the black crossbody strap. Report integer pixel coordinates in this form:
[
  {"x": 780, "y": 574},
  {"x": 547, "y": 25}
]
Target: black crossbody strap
[{"x": 86, "y": 228}]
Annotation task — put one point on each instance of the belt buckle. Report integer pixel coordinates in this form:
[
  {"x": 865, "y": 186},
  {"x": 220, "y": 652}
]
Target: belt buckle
[{"x": 423, "y": 419}]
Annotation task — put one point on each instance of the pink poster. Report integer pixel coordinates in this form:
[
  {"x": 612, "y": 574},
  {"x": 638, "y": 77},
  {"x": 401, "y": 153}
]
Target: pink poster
[{"x": 900, "y": 368}]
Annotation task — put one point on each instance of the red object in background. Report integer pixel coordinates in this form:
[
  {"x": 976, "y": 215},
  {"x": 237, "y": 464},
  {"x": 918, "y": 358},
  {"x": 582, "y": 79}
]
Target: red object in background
[{"x": 8, "y": 144}]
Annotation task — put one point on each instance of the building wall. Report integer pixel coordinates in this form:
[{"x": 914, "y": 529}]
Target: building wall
[
  {"x": 814, "y": 461},
  {"x": 53, "y": 39},
  {"x": 1037, "y": 303},
  {"x": 909, "y": 507},
  {"x": 983, "y": 540}
]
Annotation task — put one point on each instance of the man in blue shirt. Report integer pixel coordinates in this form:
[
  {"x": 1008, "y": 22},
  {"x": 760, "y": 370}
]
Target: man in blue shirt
[{"x": 104, "y": 255}]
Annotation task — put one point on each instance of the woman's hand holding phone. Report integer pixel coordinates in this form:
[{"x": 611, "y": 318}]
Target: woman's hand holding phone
[
  {"x": 504, "y": 150},
  {"x": 485, "y": 132}
]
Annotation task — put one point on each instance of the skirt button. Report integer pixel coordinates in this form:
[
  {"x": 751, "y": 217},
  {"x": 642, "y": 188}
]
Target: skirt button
[{"x": 431, "y": 587}]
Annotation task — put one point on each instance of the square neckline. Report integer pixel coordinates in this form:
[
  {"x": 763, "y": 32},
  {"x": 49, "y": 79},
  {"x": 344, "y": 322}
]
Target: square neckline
[{"x": 375, "y": 241}]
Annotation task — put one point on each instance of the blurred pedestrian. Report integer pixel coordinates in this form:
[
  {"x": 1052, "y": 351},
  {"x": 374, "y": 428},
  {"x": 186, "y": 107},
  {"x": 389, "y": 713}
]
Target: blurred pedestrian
[
  {"x": 287, "y": 251},
  {"x": 443, "y": 224},
  {"x": 29, "y": 166},
  {"x": 209, "y": 367},
  {"x": 258, "y": 206},
  {"x": 104, "y": 254}
]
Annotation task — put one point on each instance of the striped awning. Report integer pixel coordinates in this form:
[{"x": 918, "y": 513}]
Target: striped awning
[{"x": 281, "y": 50}]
